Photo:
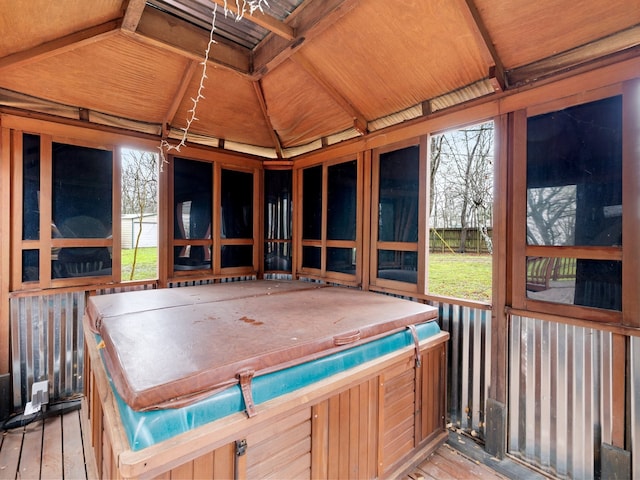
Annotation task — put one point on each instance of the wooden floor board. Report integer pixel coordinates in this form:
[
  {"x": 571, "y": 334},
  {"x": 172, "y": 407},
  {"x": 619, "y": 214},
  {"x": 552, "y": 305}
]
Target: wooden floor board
[
  {"x": 446, "y": 463},
  {"x": 49, "y": 448},
  {"x": 51, "y": 466},
  {"x": 10, "y": 446},
  {"x": 31, "y": 453},
  {"x": 73, "y": 464}
]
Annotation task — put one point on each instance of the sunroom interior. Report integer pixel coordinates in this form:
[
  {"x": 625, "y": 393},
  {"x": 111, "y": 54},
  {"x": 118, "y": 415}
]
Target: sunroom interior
[{"x": 294, "y": 140}]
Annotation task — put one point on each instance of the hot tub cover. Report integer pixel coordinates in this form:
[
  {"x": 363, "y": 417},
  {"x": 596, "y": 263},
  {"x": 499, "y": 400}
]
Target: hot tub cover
[{"x": 174, "y": 355}]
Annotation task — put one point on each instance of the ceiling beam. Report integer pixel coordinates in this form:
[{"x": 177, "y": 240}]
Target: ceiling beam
[
  {"x": 257, "y": 86},
  {"x": 178, "y": 96},
  {"x": 60, "y": 45},
  {"x": 496, "y": 72},
  {"x": 359, "y": 120},
  {"x": 309, "y": 20},
  {"x": 618, "y": 43},
  {"x": 132, "y": 15},
  {"x": 262, "y": 19},
  {"x": 173, "y": 34}
]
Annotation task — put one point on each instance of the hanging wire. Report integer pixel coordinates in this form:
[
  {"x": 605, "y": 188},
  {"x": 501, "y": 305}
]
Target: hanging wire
[{"x": 242, "y": 7}]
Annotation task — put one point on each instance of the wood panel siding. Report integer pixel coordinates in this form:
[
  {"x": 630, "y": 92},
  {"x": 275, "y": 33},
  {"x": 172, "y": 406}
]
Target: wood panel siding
[
  {"x": 344, "y": 434},
  {"x": 283, "y": 450}
]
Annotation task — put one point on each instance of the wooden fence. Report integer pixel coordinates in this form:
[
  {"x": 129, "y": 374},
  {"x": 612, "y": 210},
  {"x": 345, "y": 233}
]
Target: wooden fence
[{"x": 444, "y": 240}]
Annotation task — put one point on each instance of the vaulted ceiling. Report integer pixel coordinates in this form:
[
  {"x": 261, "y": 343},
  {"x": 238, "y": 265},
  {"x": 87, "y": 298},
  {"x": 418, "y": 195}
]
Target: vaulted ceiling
[{"x": 298, "y": 75}]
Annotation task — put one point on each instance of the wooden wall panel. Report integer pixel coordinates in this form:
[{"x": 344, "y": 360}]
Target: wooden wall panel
[
  {"x": 344, "y": 434},
  {"x": 282, "y": 450},
  {"x": 397, "y": 429},
  {"x": 433, "y": 384}
]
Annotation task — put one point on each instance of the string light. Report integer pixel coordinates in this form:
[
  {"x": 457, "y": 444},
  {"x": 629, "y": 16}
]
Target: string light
[{"x": 242, "y": 7}]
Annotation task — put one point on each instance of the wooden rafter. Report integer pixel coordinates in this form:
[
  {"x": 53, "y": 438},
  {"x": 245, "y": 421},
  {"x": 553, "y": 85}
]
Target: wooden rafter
[
  {"x": 263, "y": 106},
  {"x": 190, "y": 71},
  {"x": 359, "y": 120},
  {"x": 132, "y": 15},
  {"x": 496, "y": 72},
  {"x": 625, "y": 41},
  {"x": 60, "y": 45},
  {"x": 262, "y": 19},
  {"x": 308, "y": 20},
  {"x": 161, "y": 30}
]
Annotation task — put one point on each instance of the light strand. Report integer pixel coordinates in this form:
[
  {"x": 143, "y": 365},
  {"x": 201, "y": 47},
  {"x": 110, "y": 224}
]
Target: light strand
[{"x": 251, "y": 6}]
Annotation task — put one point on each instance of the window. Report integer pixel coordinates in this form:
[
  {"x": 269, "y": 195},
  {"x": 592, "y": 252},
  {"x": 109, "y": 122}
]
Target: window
[
  {"x": 461, "y": 213},
  {"x": 396, "y": 214},
  {"x": 192, "y": 214},
  {"x": 67, "y": 212},
  {"x": 236, "y": 218},
  {"x": 574, "y": 205},
  {"x": 277, "y": 218},
  {"x": 139, "y": 231},
  {"x": 330, "y": 219},
  {"x": 214, "y": 225}
]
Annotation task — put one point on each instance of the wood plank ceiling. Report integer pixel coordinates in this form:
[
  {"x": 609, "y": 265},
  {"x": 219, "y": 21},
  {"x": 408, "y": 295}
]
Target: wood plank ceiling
[{"x": 300, "y": 74}]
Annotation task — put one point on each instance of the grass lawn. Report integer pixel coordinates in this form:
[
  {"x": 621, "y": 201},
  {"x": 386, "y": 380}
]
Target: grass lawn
[
  {"x": 466, "y": 276},
  {"x": 460, "y": 275},
  {"x": 146, "y": 264}
]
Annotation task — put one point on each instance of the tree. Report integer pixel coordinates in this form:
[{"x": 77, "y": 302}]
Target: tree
[
  {"x": 551, "y": 215},
  {"x": 462, "y": 180},
  {"x": 139, "y": 189}
]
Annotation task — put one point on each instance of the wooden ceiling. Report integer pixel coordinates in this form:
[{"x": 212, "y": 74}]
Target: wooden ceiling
[{"x": 300, "y": 74}]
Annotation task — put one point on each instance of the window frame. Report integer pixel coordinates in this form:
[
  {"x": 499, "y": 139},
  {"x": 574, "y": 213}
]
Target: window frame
[
  {"x": 421, "y": 246},
  {"x": 323, "y": 242},
  {"x": 45, "y": 243},
  {"x": 630, "y": 191},
  {"x": 267, "y": 228},
  {"x": 167, "y": 215}
]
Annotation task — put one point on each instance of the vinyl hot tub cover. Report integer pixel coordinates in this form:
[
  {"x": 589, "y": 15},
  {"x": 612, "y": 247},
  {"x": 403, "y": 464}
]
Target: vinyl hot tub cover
[{"x": 198, "y": 344}]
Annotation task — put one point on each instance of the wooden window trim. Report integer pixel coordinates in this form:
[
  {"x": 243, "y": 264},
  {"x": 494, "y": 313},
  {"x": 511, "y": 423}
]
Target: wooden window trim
[
  {"x": 45, "y": 242},
  {"x": 323, "y": 243},
  {"x": 420, "y": 246},
  {"x": 629, "y": 316}
]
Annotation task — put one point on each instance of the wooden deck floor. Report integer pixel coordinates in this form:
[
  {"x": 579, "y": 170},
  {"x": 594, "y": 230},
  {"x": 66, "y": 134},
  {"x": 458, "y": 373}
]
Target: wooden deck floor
[
  {"x": 448, "y": 463},
  {"x": 56, "y": 448},
  {"x": 49, "y": 448}
]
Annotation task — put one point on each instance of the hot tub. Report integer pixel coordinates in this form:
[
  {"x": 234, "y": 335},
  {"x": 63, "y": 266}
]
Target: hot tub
[{"x": 258, "y": 378}]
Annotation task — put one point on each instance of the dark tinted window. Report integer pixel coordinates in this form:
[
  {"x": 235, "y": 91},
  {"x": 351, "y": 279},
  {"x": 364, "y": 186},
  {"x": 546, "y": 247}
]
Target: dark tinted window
[
  {"x": 398, "y": 200},
  {"x": 312, "y": 203},
  {"x": 574, "y": 176},
  {"x": 341, "y": 201},
  {"x": 31, "y": 187},
  {"x": 237, "y": 204},
  {"x": 193, "y": 194}
]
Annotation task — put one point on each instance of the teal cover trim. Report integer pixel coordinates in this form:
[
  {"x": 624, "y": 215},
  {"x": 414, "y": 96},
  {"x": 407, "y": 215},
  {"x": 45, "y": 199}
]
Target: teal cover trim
[{"x": 144, "y": 429}]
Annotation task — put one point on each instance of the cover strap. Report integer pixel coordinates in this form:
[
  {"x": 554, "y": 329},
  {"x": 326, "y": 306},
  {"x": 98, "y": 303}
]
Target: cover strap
[
  {"x": 416, "y": 342},
  {"x": 244, "y": 378}
]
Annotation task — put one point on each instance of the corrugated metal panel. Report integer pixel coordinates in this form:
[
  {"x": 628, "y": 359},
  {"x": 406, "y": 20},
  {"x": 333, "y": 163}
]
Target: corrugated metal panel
[
  {"x": 47, "y": 343},
  {"x": 243, "y": 32},
  {"x": 469, "y": 365},
  {"x": 634, "y": 379},
  {"x": 560, "y": 386}
]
